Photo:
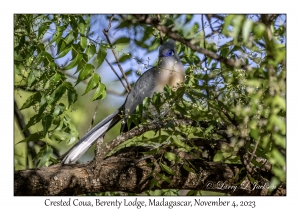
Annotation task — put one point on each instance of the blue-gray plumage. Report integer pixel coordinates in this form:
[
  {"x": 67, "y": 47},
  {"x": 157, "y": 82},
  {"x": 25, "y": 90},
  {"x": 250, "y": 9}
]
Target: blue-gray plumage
[{"x": 169, "y": 71}]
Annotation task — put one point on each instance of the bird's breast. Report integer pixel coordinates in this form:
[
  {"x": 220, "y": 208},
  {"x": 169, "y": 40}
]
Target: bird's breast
[{"x": 170, "y": 73}]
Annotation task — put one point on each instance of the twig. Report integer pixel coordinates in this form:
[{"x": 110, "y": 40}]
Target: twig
[
  {"x": 254, "y": 150},
  {"x": 208, "y": 17},
  {"x": 160, "y": 33},
  {"x": 94, "y": 116},
  {"x": 233, "y": 121},
  {"x": 20, "y": 120},
  {"x": 168, "y": 31},
  {"x": 105, "y": 32},
  {"x": 205, "y": 63},
  {"x": 112, "y": 68}
]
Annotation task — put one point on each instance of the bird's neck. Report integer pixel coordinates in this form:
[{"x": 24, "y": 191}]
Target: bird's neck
[{"x": 170, "y": 72}]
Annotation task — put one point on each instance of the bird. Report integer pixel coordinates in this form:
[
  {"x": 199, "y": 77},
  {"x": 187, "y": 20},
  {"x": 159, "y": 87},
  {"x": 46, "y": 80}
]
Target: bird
[{"x": 168, "y": 71}]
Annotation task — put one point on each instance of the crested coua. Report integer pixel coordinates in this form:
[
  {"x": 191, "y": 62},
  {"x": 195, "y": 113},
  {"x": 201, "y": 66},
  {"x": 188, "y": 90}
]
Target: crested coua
[{"x": 168, "y": 71}]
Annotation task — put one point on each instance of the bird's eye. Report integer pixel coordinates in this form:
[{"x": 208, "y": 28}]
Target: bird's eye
[
  {"x": 171, "y": 52},
  {"x": 167, "y": 54}
]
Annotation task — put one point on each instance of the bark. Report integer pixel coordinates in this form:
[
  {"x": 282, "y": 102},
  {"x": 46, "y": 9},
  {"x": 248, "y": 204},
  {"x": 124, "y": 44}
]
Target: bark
[{"x": 128, "y": 171}]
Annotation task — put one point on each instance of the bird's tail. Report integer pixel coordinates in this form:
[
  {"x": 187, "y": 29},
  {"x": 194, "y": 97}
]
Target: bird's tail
[{"x": 90, "y": 138}]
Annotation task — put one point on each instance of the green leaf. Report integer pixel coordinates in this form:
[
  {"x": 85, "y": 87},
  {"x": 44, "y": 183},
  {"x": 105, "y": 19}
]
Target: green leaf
[
  {"x": 187, "y": 168},
  {"x": 218, "y": 156},
  {"x": 82, "y": 28},
  {"x": 74, "y": 62},
  {"x": 47, "y": 122},
  {"x": 80, "y": 66},
  {"x": 277, "y": 158},
  {"x": 43, "y": 28},
  {"x": 163, "y": 177},
  {"x": 279, "y": 140},
  {"x": 156, "y": 101},
  {"x": 69, "y": 38},
  {"x": 45, "y": 154},
  {"x": 258, "y": 164},
  {"x": 64, "y": 52},
  {"x": 279, "y": 101},
  {"x": 61, "y": 46},
  {"x": 254, "y": 82},
  {"x": 146, "y": 103},
  {"x": 94, "y": 81},
  {"x": 170, "y": 156},
  {"x": 76, "y": 49},
  {"x": 237, "y": 22},
  {"x": 210, "y": 128},
  {"x": 151, "y": 152},
  {"x": 82, "y": 63},
  {"x": 101, "y": 56},
  {"x": 33, "y": 120},
  {"x": 180, "y": 109},
  {"x": 33, "y": 77},
  {"x": 31, "y": 100},
  {"x": 33, "y": 137},
  {"x": 192, "y": 192},
  {"x": 122, "y": 40},
  {"x": 56, "y": 78},
  {"x": 48, "y": 59},
  {"x": 85, "y": 73},
  {"x": 246, "y": 29},
  {"x": 188, "y": 18},
  {"x": 124, "y": 57},
  {"x": 71, "y": 89},
  {"x": 83, "y": 42},
  {"x": 180, "y": 144},
  {"x": 254, "y": 134},
  {"x": 59, "y": 109},
  {"x": 154, "y": 182},
  {"x": 59, "y": 135},
  {"x": 91, "y": 51},
  {"x": 275, "y": 121},
  {"x": 73, "y": 132},
  {"x": 224, "y": 51},
  {"x": 167, "y": 169},
  {"x": 259, "y": 30},
  {"x": 155, "y": 44},
  {"x": 100, "y": 92},
  {"x": 124, "y": 25},
  {"x": 159, "y": 139},
  {"x": 58, "y": 33},
  {"x": 17, "y": 69},
  {"x": 227, "y": 21},
  {"x": 72, "y": 96},
  {"x": 57, "y": 94}
]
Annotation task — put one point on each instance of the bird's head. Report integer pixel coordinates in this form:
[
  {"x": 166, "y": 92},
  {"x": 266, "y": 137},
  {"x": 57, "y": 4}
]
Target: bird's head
[{"x": 168, "y": 49}]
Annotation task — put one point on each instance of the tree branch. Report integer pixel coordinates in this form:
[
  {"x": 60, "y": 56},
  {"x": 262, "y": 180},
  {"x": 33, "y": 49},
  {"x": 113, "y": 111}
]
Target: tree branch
[
  {"x": 105, "y": 32},
  {"x": 112, "y": 68},
  {"x": 128, "y": 171},
  {"x": 168, "y": 31}
]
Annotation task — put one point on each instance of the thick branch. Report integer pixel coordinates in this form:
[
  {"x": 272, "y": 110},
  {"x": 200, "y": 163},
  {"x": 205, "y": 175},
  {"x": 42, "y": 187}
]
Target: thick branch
[
  {"x": 127, "y": 171},
  {"x": 102, "y": 152}
]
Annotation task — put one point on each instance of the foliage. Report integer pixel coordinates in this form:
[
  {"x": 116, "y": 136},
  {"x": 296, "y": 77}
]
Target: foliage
[{"x": 244, "y": 106}]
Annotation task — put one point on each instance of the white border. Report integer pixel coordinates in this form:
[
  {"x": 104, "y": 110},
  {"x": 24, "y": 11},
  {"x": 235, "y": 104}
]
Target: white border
[{"x": 8, "y": 8}]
